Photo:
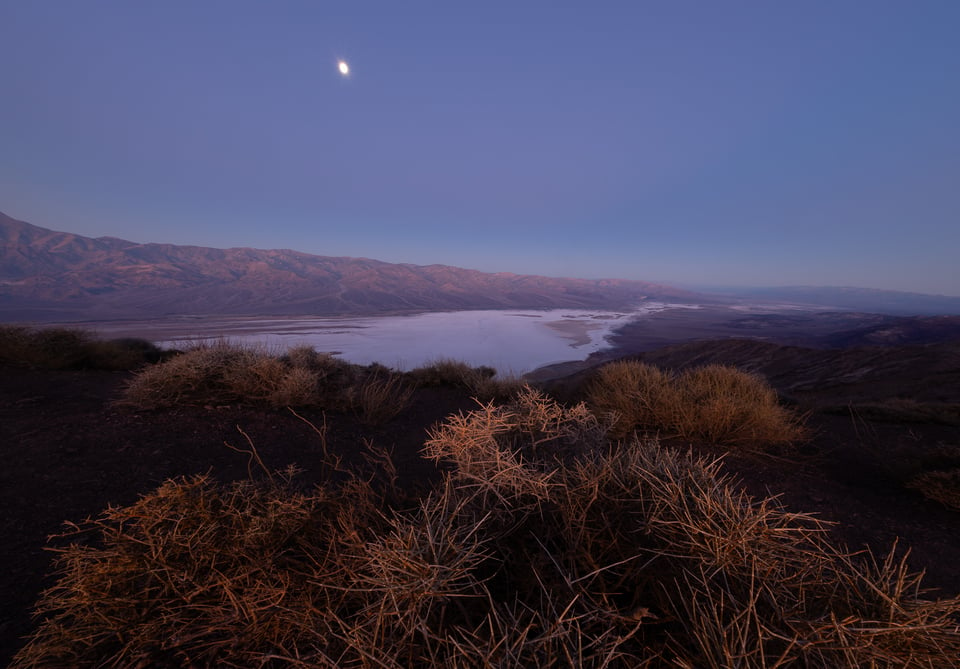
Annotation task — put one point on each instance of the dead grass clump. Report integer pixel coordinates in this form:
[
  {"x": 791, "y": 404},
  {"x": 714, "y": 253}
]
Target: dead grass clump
[
  {"x": 714, "y": 403},
  {"x": 635, "y": 394},
  {"x": 199, "y": 574},
  {"x": 676, "y": 563},
  {"x": 482, "y": 382},
  {"x": 446, "y": 372},
  {"x": 724, "y": 405},
  {"x": 543, "y": 545},
  {"x": 941, "y": 486},
  {"x": 501, "y": 388},
  {"x": 381, "y": 398},
  {"x": 222, "y": 373},
  {"x": 307, "y": 357},
  {"x": 71, "y": 348}
]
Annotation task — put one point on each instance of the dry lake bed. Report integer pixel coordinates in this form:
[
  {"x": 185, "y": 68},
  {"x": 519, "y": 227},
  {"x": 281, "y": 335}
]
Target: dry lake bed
[{"x": 511, "y": 341}]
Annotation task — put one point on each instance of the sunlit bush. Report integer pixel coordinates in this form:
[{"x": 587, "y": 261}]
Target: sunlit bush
[
  {"x": 715, "y": 403},
  {"x": 223, "y": 373}
]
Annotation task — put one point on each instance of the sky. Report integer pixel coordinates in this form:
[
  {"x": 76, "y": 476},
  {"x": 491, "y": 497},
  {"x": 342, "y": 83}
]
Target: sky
[{"x": 703, "y": 143}]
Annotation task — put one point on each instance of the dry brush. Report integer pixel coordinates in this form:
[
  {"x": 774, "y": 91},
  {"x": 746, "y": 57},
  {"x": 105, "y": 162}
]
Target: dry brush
[{"x": 545, "y": 544}]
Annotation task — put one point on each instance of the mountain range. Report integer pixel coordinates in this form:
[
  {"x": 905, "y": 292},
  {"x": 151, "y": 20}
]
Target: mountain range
[{"x": 47, "y": 275}]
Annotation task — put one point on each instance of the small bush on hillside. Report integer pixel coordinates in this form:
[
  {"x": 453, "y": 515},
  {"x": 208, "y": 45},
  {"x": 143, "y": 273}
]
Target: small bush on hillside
[
  {"x": 453, "y": 373},
  {"x": 715, "y": 403},
  {"x": 222, "y": 373},
  {"x": 725, "y": 405},
  {"x": 68, "y": 348},
  {"x": 482, "y": 382},
  {"x": 200, "y": 574},
  {"x": 635, "y": 395},
  {"x": 543, "y": 545},
  {"x": 381, "y": 397},
  {"x": 499, "y": 388},
  {"x": 307, "y": 357}
]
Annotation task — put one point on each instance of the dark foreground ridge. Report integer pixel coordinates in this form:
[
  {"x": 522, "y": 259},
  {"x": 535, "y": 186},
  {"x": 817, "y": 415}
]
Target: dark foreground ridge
[{"x": 878, "y": 421}]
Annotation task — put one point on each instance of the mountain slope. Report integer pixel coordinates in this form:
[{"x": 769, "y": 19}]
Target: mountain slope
[{"x": 60, "y": 276}]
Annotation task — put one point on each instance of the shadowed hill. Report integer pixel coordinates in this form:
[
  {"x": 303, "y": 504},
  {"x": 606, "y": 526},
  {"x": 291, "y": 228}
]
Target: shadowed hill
[
  {"x": 925, "y": 376},
  {"x": 919, "y": 372}
]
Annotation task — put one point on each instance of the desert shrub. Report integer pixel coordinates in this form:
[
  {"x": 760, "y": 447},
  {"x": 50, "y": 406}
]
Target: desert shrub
[
  {"x": 482, "y": 382},
  {"x": 202, "y": 574},
  {"x": 51, "y": 348},
  {"x": 941, "y": 486},
  {"x": 255, "y": 376},
  {"x": 635, "y": 395},
  {"x": 71, "y": 348},
  {"x": 222, "y": 373},
  {"x": 125, "y": 353},
  {"x": 672, "y": 560},
  {"x": 381, "y": 397},
  {"x": 542, "y": 545},
  {"x": 501, "y": 388},
  {"x": 454, "y": 373},
  {"x": 725, "y": 405},
  {"x": 325, "y": 364},
  {"x": 307, "y": 357},
  {"x": 714, "y": 403}
]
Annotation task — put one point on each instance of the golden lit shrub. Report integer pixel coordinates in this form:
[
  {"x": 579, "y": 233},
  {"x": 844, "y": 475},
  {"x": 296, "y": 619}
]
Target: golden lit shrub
[
  {"x": 635, "y": 394},
  {"x": 714, "y": 403},
  {"x": 222, "y": 373},
  {"x": 725, "y": 405}
]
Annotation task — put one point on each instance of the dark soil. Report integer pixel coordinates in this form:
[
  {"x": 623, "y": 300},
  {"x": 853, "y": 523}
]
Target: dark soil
[{"x": 70, "y": 451}]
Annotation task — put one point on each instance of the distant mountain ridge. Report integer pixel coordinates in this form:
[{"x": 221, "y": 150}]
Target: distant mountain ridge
[
  {"x": 858, "y": 299},
  {"x": 49, "y": 275}
]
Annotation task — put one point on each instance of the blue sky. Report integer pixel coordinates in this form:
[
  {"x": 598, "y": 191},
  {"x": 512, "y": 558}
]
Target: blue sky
[{"x": 727, "y": 143}]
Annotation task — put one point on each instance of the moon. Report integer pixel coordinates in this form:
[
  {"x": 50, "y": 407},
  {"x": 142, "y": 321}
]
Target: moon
[{"x": 343, "y": 67}]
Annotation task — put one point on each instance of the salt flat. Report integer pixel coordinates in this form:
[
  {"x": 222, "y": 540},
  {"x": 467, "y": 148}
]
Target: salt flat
[{"x": 512, "y": 341}]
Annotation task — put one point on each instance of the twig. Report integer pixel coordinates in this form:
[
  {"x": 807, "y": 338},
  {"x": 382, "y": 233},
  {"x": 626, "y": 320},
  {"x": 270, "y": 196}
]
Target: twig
[{"x": 252, "y": 455}]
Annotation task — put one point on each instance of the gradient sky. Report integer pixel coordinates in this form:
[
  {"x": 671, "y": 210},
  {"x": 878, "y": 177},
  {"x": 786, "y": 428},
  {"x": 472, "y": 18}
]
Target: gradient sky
[{"x": 732, "y": 143}]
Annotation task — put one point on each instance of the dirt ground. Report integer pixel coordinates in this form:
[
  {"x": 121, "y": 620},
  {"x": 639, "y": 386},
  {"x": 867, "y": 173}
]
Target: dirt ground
[{"x": 69, "y": 451}]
